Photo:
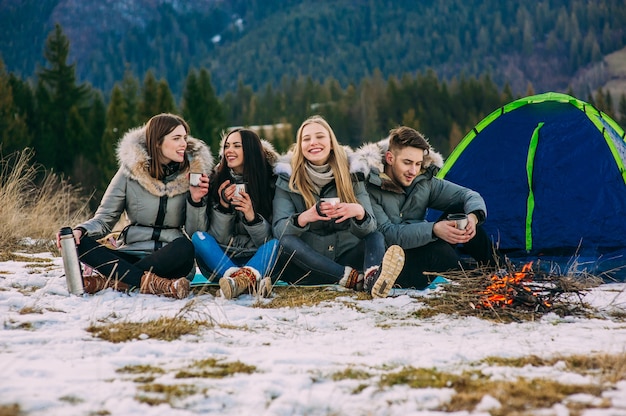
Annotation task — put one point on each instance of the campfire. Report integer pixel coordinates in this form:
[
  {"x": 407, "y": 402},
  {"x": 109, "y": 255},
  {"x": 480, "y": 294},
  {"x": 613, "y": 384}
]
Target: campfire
[
  {"x": 511, "y": 293},
  {"x": 514, "y": 290}
]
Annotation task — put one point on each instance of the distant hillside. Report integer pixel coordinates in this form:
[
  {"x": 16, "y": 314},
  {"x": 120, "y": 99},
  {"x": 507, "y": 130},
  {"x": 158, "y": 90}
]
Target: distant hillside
[{"x": 553, "y": 44}]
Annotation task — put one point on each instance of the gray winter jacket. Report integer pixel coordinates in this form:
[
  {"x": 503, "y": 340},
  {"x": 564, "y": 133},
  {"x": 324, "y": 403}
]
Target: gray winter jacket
[
  {"x": 230, "y": 230},
  {"x": 156, "y": 210},
  {"x": 401, "y": 212},
  {"x": 326, "y": 237}
]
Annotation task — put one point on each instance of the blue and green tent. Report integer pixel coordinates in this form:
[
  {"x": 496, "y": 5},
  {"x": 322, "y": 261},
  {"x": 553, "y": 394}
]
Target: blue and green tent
[{"x": 551, "y": 169}]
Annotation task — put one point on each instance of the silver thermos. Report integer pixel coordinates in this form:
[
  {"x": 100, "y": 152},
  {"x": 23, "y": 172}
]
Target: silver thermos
[{"x": 73, "y": 274}]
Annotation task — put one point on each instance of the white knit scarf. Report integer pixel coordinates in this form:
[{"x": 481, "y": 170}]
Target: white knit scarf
[{"x": 320, "y": 175}]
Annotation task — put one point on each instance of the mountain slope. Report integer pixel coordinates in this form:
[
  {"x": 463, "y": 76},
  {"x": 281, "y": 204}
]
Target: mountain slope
[{"x": 544, "y": 43}]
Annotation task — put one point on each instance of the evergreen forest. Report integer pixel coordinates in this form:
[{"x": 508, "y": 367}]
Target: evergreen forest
[{"x": 274, "y": 75}]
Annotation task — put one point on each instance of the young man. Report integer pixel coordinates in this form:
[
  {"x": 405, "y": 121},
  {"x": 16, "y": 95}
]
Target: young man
[{"x": 401, "y": 195}]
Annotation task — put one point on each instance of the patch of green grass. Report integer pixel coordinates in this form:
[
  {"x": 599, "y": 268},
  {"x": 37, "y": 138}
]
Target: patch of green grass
[
  {"x": 225, "y": 325},
  {"x": 157, "y": 394},
  {"x": 10, "y": 256},
  {"x": 30, "y": 309},
  {"x": 298, "y": 296},
  {"x": 12, "y": 324},
  {"x": 144, "y": 379},
  {"x": 516, "y": 397},
  {"x": 71, "y": 399},
  {"x": 351, "y": 373},
  {"x": 611, "y": 367},
  {"x": 213, "y": 368},
  {"x": 164, "y": 328},
  {"x": 617, "y": 315},
  {"x": 140, "y": 369},
  {"x": 10, "y": 410},
  {"x": 420, "y": 378}
]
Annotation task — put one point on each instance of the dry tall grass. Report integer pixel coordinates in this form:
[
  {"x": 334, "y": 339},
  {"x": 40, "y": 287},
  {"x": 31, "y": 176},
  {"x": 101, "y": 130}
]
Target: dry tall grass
[{"x": 35, "y": 203}]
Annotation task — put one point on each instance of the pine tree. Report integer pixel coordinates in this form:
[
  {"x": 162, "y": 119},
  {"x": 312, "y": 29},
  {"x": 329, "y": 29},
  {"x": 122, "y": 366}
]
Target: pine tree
[
  {"x": 622, "y": 110},
  {"x": 165, "y": 100},
  {"x": 60, "y": 104},
  {"x": 130, "y": 92},
  {"x": 14, "y": 133},
  {"x": 608, "y": 98},
  {"x": 599, "y": 100},
  {"x": 86, "y": 166},
  {"x": 202, "y": 109},
  {"x": 148, "y": 105},
  {"x": 117, "y": 123}
]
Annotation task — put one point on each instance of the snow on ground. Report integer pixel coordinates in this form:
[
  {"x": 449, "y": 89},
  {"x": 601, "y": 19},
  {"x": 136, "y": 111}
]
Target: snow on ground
[{"x": 51, "y": 365}]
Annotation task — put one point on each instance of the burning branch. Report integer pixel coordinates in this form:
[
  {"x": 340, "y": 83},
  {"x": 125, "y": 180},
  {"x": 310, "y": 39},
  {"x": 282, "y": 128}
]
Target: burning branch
[{"x": 511, "y": 294}]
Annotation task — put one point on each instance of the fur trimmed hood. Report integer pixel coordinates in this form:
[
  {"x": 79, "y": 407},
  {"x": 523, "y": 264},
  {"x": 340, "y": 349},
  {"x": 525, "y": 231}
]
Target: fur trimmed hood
[
  {"x": 372, "y": 155},
  {"x": 271, "y": 155},
  {"x": 356, "y": 162},
  {"x": 133, "y": 158}
]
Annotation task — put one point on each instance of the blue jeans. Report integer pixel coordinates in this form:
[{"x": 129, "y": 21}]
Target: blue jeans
[
  {"x": 209, "y": 252},
  {"x": 322, "y": 270}
]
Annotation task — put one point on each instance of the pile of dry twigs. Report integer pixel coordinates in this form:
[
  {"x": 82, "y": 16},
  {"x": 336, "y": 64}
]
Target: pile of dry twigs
[{"x": 512, "y": 293}]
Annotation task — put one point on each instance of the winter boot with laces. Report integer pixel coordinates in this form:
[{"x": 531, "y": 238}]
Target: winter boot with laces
[
  {"x": 238, "y": 280},
  {"x": 351, "y": 278},
  {"x": 95, "y": 282},
  {"x": 155, "y": 285},
  {"x": 380, "y": 279}
]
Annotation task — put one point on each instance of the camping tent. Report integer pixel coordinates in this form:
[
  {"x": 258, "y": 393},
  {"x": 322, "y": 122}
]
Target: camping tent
[{"x": 551, "y": 170}]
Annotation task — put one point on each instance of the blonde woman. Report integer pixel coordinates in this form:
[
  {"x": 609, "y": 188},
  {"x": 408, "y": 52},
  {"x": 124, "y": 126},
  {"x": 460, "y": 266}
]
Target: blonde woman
[{"x": 329, "y": 241}]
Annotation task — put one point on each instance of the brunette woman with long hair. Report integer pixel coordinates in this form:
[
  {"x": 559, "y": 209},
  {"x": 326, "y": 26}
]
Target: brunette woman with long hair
[
  {"x": 151, "y": 189},
  {"x": 238, "y": 249}
]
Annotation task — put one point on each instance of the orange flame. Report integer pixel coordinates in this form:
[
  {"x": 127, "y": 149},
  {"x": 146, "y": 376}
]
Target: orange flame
[{"x": 503, "y": 289}]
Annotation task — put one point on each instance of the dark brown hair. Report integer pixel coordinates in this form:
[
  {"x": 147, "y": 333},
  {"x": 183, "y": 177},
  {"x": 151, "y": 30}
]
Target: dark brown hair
[
  {"x": 257, "y": 172},
  {"x": 157, "y": 128},
  {"x": 403, "y": 136}
]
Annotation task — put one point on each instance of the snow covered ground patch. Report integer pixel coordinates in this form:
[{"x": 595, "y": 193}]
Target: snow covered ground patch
[{"x": 342, "y": 357}]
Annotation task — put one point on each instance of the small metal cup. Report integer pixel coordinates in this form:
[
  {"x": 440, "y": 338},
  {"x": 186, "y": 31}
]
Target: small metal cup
[
  {"x": 460, "y": 219},
  {"x": 194, "y": 178},
  {"x": 240, "y": 187},
  {"x": 332, "y": 201}
]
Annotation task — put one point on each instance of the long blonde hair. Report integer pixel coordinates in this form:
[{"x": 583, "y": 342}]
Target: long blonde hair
[{"x": 338, "y": 161}]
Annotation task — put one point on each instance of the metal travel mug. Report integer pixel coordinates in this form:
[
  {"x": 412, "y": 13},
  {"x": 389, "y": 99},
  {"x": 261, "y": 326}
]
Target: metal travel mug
[
  {"x": 461, "y": 220},
  {"x": 73, "y": 274}
]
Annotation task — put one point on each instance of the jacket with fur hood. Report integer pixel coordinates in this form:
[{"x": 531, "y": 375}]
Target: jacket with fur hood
[
  {"x": 326, "y": 237},
  {"x": 230, "y": 230},
  {"x": 401, "y": 212},
  {"x": 156, "y": 210}
]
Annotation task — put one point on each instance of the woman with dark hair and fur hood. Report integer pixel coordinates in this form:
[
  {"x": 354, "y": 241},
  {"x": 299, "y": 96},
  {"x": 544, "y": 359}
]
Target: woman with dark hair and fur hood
[
  {"x": 152, "y": 188},
  {"x": 332, "y": 242},
  {"x": 403, "y": 185},
  {"x": 238, "y": 248}
]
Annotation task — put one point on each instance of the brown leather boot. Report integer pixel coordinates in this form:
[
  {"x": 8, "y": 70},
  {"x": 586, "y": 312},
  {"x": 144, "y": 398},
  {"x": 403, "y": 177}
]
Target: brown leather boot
[
  {"x": 96, "y": 282},
  {"x": 238, "y": 280},
  {"x": 351, "y": 278},
  {"x": 155, "y": 285}
]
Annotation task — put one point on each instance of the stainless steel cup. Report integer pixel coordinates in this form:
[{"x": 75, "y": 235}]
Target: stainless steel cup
[
  {"x": 194, "y": 178},
  {"x": 240, "y": 187},
  {"x": 461, "y": 220}
]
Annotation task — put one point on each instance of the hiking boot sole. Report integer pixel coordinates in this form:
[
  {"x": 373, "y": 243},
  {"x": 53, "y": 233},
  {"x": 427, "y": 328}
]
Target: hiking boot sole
[
  {"x": 181, "y": 288},
  {"x": 393, "y": 261},
  {"x": 265, "y": 287},
  {"x": 227, "y": 289}
]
